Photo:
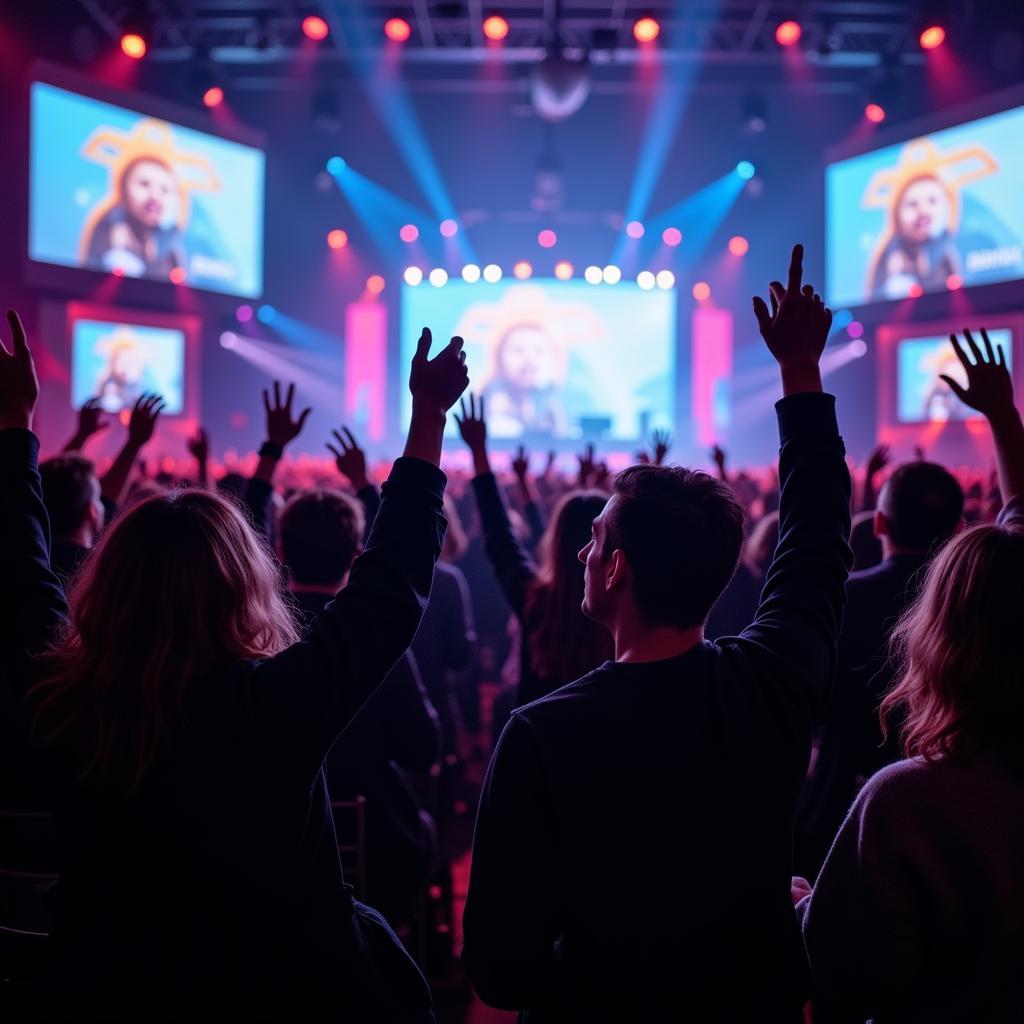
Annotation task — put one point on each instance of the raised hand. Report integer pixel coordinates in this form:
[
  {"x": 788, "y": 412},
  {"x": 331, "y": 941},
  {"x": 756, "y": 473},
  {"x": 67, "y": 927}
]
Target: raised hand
[
  {"x": 282, "y": 426},
  {"x": 796, "y": 329},
  {"x": 19, "y": 386},
  {"x": 143, "y": 419},
  {"x": 521, "y": 464},
  {"x": 472, "y": 425},
  {"x": 90, "y": 419},
  {"x": 601, "y": 475},
  {"x": 661, "y": 441},
  {"x": 438, "y": 381},
  {"x": 989, "y": 385},
  {"x": 349, "y": 458},
  {"x": 587, "y": 466},
  {"x": 199, "y": 446},
  {"x": 877, "y": 461},
  {"x": 642, "y": 458}
]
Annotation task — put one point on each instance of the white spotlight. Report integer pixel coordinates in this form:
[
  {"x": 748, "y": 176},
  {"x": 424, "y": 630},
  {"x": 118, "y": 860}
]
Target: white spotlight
[
  {"x": 666, "y": 279},
  {"x": 471, "y": 273},
  {"x": 611, "y": 274},
  {"x": 492, "y": 273},
  {"x": 439, "y": 277},
  {"x": 645, "y": 279},
  {"x": 413, "y": 275},
  {"x": 592, "y": 275},
  {"x": 228, "y": 339}
]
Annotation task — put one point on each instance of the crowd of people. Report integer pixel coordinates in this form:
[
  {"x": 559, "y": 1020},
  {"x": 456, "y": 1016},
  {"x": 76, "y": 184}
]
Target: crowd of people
[{"x": 728, "y": 779}]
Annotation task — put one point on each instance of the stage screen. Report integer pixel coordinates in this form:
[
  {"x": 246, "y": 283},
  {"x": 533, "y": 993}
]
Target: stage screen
[
  {"x": 904, "y": 220},
  {"x": 555, "y": 359},
  {"x": 118, "y": 362},
  {"x": 921, "y": 397},
  {"x": 113, "y": 190}
]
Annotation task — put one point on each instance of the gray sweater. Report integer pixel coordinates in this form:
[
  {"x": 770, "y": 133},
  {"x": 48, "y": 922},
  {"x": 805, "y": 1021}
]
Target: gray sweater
[{"x": 918, "y": 913}]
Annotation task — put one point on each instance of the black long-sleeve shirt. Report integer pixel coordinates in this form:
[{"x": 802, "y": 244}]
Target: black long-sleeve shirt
[
  {"x": 633, "y": 849},
  {"x": 221, "y": 875}
]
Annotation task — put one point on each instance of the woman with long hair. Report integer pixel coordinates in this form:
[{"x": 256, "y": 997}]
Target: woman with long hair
[
  {"x": 559, "y": 642},
  {"x": 183, "y": 729},
  {"x": 917, "y": 914}
]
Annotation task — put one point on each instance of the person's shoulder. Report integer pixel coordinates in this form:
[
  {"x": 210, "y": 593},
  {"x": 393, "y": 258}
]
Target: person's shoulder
[
  {"x": 901, "y": 783},
  {"x": 554, "y": 705}
]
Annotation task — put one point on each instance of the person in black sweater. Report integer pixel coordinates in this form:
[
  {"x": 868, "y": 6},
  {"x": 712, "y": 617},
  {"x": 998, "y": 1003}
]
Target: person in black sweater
[
  {"x": 185, "y": 730},
  {"x": 319, "y": 535},
  {"x": 920, "y": 508},
  {"x": 559, "y": 642},
  {"x": 633, "y": 848}
]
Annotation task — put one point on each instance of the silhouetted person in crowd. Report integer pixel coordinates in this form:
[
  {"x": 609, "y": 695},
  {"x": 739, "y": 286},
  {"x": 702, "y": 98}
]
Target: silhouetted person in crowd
[
  {"x": 319, "y": 535},
  {"x": 738, "y": 603},
  {"x": 559, "y": 643},
  {"x": 633, "y": 846},
  {"x": 185, "y": 727},
  {"x": 917, "y": 913},
  {"x": 78, "y": 503},
  {"x": 920, "y": 507}
]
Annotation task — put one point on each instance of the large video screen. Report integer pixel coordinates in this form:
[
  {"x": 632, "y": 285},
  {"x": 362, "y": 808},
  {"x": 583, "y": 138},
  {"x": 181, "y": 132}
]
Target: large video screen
[
  {"x": 119, "y": 362},
  {"x": 115, "y": 191},
  {"x": 556, "y": 359},
  {"x": 921, "y": 397},
  {"x": 903, "y": 220}
]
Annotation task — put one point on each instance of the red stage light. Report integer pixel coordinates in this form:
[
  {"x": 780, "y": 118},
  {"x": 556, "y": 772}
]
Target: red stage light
[
  {"x": 375, "y": 284},
  {"x": 213, "y": 97},
  {"x": 672, "y": 236},
  {"x": 133, "y": 45},
  {"x": 702, "y": 291},
  {"x": 409, "y": 233},
  {"x": 788, "y": 32},
  {"x": 932, "y": 37},
  {"x": 177, "y": 275},
  {"x": 314, "y": 27},
  {"x": 738, "y": 245},
  {"x": 397, "y": 30},
  {"x": 495, "y": 28},
  {"x": 874, "y": 113},
  {"x": 547, "y": 239},
  {"x": 118, "y": 271},
  {"x": 915, "y": 291},
  {"x": 337, "y": 239},
  {"x": 646, "y": 30},
  {"x": 954, "y": 282}
]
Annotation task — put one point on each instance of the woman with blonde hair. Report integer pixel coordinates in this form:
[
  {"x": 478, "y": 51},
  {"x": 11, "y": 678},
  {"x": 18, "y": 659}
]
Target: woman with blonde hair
[
  {"x": 182, "y": 730},
  {"x": 918, "y": 912}
]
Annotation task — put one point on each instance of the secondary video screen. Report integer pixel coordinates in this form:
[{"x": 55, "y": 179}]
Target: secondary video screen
[
  {"x": 115, "y": 191},
  {"x": 946, "y": 208},
  {"x": 119, "y": 362},
  {"x": 921, "y": 396},
  {"x": 556, "y": 359}
]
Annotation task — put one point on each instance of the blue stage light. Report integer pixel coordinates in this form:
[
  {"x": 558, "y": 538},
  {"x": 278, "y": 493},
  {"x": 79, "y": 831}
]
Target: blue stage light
[
  {"x": 745, "y": 169},
  {"x": 841, "y": 319},
  {"x": 266, "y": 313},
  {"x": 335, "y": 165}
]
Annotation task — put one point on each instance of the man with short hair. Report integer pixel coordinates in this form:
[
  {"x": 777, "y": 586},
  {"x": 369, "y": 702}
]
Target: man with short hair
[
  {"x": 633, "y": 851},
  {"x": 919, "y": 508},
  {"x": 74, "y": 503}
]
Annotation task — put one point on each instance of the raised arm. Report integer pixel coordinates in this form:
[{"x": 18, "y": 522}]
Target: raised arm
[
  {"x": 528, "y": 493},
  {"x": 33, "y": 606},
  {"x": 351, "y": 462},
  {"x": 199, "y": 449},
  {"x": 800, "y": 613},
  {"x": 877, "y": 461},
  {"x": 282, "y": 428},
  {"x": 318, "y": 685},
  {"x": 511, "y": 562},
  {"x": 990, "y": 391},
  {"x": 140, "y": 430},
  {"x": 90, "y": 421}
]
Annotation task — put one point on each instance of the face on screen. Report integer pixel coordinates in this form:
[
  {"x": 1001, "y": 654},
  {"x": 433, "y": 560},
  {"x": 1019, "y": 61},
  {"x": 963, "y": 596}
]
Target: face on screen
[
  {"x": 923, "y": 210},
  {"x": 148, "y": 192},
  {"x": 527, "y": 358}
]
